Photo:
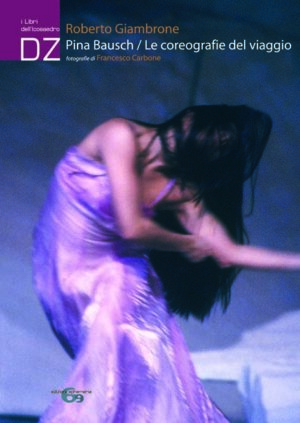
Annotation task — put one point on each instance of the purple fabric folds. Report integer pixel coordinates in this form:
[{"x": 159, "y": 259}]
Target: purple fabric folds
[{"x": 106, "y": 306}]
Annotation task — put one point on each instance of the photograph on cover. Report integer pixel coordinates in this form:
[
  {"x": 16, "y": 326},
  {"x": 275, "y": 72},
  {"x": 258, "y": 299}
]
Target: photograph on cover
[{"x": 150, "y": 248}]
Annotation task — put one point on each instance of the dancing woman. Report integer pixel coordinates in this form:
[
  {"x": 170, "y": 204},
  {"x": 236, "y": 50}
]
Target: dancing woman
[{"x": 142, "y": 221}]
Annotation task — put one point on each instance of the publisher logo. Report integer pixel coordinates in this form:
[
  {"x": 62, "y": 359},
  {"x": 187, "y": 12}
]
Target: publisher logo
[
  {"x": 30, "y": 32},
  {"x": 70, "y": 394}
]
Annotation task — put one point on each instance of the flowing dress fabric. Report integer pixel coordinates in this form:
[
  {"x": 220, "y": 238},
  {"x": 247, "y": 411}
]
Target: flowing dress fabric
[{"x": 106, "y": 306}]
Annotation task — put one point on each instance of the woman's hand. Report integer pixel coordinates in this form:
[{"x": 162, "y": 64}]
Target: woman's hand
[
  {"x": 214, "y": 240},
  {"x": 211, "y": 238}
]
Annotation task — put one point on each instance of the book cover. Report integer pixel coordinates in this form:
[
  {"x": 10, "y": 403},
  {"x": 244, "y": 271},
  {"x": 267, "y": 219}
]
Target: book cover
[{"x": 65, "y": 68}]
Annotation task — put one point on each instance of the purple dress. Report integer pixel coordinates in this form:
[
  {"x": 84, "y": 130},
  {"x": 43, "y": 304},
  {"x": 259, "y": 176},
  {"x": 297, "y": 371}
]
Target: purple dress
[{"x": 106, "y": 306}]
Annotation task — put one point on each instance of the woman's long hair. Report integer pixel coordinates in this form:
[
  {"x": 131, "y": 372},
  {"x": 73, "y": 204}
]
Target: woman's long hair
[{"x": 214, "y": 148}]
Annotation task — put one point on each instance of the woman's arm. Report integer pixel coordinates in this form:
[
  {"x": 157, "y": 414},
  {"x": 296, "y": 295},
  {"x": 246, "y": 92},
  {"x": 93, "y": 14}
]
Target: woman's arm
[
  {"x": 264, "y": 259},
  {"x": 216, "y": 243},
  {"x": 118, "y": 149}
]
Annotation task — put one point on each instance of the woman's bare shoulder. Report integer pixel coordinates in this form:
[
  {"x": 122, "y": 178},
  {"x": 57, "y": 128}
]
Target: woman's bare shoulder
[
  {"x": 113, "y": 128},
  {"x": 112, "y": 133}
]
